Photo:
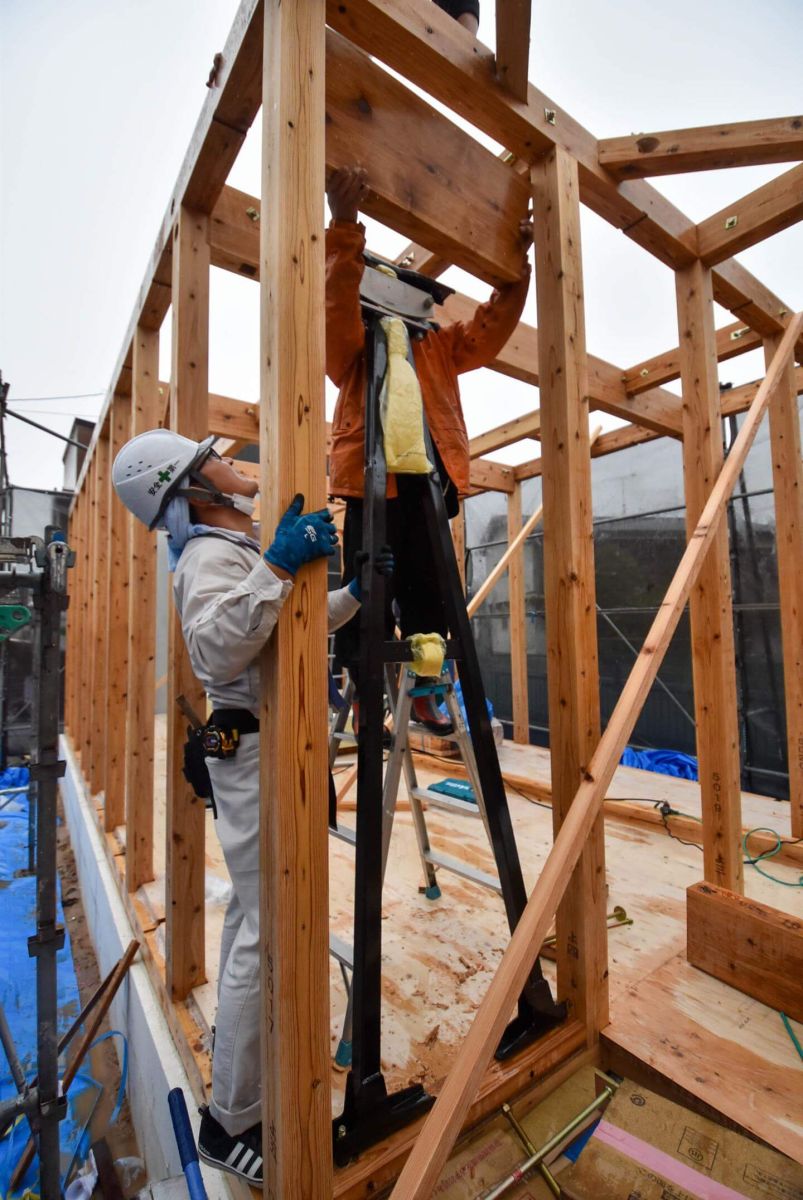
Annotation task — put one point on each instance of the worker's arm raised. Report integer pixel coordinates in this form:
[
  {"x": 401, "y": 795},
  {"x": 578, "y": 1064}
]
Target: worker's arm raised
[
  {"x": 476, "y": 343},
  {"x": 345, "y": 243}
]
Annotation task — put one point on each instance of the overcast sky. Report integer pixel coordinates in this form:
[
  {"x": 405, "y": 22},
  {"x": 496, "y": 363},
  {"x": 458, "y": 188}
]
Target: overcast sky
[{"x": 98, "y": 101}]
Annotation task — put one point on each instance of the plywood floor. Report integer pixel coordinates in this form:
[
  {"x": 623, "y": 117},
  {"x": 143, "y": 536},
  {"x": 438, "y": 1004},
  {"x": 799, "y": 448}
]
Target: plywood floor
[{"x": 438, "y": 957}]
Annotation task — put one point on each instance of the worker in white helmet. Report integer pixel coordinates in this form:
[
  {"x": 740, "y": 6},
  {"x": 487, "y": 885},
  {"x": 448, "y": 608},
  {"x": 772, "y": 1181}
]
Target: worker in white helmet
[{"x": 228, "y": 593}]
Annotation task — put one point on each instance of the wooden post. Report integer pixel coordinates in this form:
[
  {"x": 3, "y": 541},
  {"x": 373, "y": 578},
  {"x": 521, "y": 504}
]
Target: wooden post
[
  {"x": 117, "y": 645},
  {"x": 570, "y": 600},
  {"x": 518, "y": 624},
  {"x": 141, "y": 635},
  {"x": 787, "y": 475},
  {"x": 87, "y": 665},
  {"x": 297, "y": 1120},
  {"x": 423, "y": 1167},
  {"x": 100, "y": 596},
  {"x": 712, "y": 642},
  {"x": 459, "y": 542},
  {"x": 73, "y": 588},
  {"x": 186, "y": 815}
]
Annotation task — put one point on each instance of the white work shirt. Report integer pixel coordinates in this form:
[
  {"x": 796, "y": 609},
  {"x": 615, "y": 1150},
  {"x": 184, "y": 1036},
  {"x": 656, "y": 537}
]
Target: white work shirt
[{"x": 229, "y": 601}]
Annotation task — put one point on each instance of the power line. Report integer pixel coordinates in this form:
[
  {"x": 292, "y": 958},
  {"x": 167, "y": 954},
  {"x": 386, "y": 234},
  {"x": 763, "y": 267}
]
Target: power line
[{"x": 77, "y": 396}]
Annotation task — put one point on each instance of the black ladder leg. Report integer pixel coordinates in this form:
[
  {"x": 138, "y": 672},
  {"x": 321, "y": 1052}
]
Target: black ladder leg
[
  {"x": 538, "y": 1011},
  {"x": 369, "y": 1112}
]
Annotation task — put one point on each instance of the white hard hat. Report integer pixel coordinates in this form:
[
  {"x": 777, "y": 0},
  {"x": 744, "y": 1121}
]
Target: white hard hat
[{"x": 149, "y": 469}]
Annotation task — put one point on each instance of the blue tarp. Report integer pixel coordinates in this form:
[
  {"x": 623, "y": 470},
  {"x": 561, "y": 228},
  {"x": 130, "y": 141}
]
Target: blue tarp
[
  {"x": 18, "y": 978},
  {"x": 663, "y": 762}
]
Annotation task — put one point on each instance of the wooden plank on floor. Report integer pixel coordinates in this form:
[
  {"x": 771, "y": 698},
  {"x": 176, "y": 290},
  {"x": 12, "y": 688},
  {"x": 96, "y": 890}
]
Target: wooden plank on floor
[
  {"x": 140, "y": 699},
  {"x": 294, "y": 904},
  {"x": 787, "y": 477},
  {"x": 186, "y": 814},
  {"x": 710, "y": 609},
  {"x": 572, "y": 661},
  {"x": 754, "y": 948},
  {"x": 518, "y": 624}
]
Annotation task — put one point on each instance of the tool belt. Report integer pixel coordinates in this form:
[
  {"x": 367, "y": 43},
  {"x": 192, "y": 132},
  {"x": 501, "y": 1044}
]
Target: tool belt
[{"x": 218, "y": 738}]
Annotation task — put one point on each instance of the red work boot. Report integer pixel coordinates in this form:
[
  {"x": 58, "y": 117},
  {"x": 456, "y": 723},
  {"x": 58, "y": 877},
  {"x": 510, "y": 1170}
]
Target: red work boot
[{"x": 426, "y": 712}]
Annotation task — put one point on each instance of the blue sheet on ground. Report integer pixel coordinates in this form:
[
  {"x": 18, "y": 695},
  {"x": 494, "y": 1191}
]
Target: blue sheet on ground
[
  {"x": 664, "y": 762},
  {"x": 18, "y": 981}
]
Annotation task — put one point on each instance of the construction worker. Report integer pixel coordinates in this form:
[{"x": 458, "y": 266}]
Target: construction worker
[
  {"x": 465, "y": 12},
  {"x": 440, "y": 356},
  {"x": 228, "y": 594}
]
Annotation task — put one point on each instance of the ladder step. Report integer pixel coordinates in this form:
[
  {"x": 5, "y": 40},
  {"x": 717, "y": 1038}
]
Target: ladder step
[
  {"x": 450, "y": 803},
  {"x": 341, "y": 951},
  {"x": 447, "y": 863}
]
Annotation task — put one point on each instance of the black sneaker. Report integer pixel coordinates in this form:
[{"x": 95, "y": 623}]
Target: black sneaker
[{"x": 239, "y": 1155}]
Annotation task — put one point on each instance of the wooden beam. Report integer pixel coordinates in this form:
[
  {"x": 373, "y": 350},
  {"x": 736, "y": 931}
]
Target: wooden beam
[
  {"x": 733, "y": 339},
  {"x": 432, "y": 51},
  {"x": 185, "y": 862},
  {"x": 452, "y": 192},
  {"x": 787, "y": 477},
  {"x": 116, "y": 647},
  {"x": 569, "y": 585},
  {"x": 705, "y": 148},
  {"x": 294, "y": 917},
  {"x": 458, "y": 526},
  {"x": 140, "y": 691},
  {"x": 767, "y": 210},
  {"x": 528, "y": 426},
  {"x": 518, "y": 624},
  {"x": 710, "y": 610},
  {"x": 489, "y": 476},
  {"x": 443, "y": 1124},
  {"x": 513, "y": 46},
  {"x": 236, "y": 419},
  {"x": 747, "y": 945}
]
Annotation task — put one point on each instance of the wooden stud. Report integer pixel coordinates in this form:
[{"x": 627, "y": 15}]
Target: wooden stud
[
  {"x": 294, "y": 916},
  {"x": 747, "y": 945},
  {"x": 432, "y": 1149},
  {"x": 767, "y": 210},
  {"x": 513, "y": 46},
  {"x": 185, "y": 965},
  {"x": 706, "y": 148},
  {"x": 140, "y": 692},
  {"x": 528, "y": 426},
  {"x": 518, "y": 624},
  {"x": 733, "y": 339},
  {"x": 787, "y": 476},
  {"x": 87, "y": 663},
  {"x": 117, "y": 643},
  {"x": 459, "y": 542},
  {"x": 489, "y": 476},
  {"x": 571, "y": 621},
  {"x": 712, "y": 639},
  {"x": 96, "y": 698}
]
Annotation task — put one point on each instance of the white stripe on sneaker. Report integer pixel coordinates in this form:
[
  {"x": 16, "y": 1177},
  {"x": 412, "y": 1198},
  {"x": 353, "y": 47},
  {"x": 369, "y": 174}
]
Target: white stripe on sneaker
[
  {"x": 245, "y": 1160},
  {"x": 235, "y": 1154},
  {"x": 256, "y": 1167}
]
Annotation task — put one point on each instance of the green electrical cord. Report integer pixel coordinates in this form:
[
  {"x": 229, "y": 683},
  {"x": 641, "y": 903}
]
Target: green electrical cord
[
  {"x": 788, "y": 1027},
  {"x": 754, "y": 862}
]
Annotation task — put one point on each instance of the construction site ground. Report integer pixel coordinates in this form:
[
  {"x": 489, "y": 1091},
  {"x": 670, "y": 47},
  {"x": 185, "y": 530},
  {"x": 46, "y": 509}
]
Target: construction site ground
[{"x": 729, "y": 1051}]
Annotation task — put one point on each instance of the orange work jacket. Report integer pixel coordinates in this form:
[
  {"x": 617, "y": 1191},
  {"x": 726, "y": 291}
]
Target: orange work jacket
[{"x": 439, "y": 357}]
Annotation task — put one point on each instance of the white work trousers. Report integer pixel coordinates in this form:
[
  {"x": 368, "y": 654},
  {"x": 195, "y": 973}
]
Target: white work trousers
[{"x": 236, "y": 1062}]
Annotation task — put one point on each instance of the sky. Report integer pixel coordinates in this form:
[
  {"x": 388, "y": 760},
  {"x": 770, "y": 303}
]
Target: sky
[{"x": 98, "y": 101}]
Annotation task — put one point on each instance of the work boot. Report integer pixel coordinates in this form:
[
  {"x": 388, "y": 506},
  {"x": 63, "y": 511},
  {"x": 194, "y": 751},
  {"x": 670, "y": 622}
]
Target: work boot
[
  {"x": 425, "y": 712},
  {"x": 239, "y": 1155}
]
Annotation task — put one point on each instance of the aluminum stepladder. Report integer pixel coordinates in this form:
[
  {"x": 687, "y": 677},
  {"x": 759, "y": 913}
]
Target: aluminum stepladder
[{"x": 370, "y": 1113}]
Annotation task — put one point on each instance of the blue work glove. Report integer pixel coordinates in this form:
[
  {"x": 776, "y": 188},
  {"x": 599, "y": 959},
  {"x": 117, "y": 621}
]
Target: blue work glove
[
  {"x": 384, "y": 565},
  {"x": 300, "y": 539}
]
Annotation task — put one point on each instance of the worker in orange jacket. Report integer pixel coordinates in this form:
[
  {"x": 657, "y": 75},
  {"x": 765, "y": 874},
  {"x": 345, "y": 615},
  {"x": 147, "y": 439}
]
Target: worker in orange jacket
[{"x": 440, "y": 356}]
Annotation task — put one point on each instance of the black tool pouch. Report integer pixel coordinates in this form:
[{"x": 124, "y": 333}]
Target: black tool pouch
[{"x": 195, "y": 769}]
